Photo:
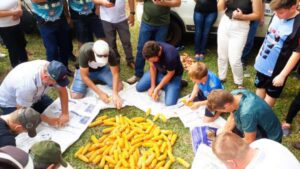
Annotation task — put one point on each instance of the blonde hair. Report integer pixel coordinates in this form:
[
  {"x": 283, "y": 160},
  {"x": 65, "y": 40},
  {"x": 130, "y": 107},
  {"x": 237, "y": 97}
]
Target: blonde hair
[
  {"x": 197, "y": 70},
  {"x": 218, "y": 98},
  {"x": 228, "y": 146}
]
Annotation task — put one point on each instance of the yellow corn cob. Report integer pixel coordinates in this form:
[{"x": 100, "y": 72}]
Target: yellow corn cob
[
  {"x": 79, "y": 151},
  {"x": 101, "y": 139},
  {"x": 171, "y": 156},
  {"x": 153, "y": 163},
  {"x": 101, "y": 118},
  {"x": 108, "y": 130},
  {"x": 163, "y": 118},
  {"x": 131, "y": 162},
  {"x": 94, "y": 139},
  {"x": 156, "y": 117},
  {"x": 97, "y": 159},
  {"x": 83, "y": 158},
  {"x": 150, "y": 159},
  {"x": 173, "y": 139},
  {"x": 95, "y": 123},
  {"x": 124, "y": 163},
  {"x": 138, "y": 119},
  {"x": 86, "y": 148},
  {"x": 168, "y": 164},
  {"x": 102, "y": 162},
  {"x": 183, "y": 162},
  {"x": 109, "y": 159},
  {"x": 163, "y": 147},
  {"x": 93, "y": 156},
  {"x": 148, "y": 112},
  {"x": 160, "y": 164}
]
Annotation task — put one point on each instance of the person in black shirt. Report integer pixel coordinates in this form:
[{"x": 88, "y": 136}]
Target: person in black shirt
[{"x": 165, "y": 72}]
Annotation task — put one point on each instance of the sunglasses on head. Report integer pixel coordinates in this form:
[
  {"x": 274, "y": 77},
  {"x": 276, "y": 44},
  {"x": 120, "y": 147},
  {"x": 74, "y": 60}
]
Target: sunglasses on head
[{"x": 100, "y": 56}]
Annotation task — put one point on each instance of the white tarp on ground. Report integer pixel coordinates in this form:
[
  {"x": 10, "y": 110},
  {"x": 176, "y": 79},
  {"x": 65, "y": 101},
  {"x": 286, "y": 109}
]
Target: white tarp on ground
[{"x": 83, "y": 111}]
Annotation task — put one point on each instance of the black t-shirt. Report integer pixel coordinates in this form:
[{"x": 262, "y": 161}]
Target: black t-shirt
[
  {"x": 6, "y": 135},
  {"x": 86, "y": 55},
  {"x": 206, "y": 6},
  {"x": 244, "y": 5},
  {"x": 169, "y": 60}
]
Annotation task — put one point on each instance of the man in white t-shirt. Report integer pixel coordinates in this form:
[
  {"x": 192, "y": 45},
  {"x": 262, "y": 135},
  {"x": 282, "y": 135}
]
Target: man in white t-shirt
[
  {"x": 234, "y": 152},
  {"x": 27, "y": 84},
  {"x": 114, "y": 20}
]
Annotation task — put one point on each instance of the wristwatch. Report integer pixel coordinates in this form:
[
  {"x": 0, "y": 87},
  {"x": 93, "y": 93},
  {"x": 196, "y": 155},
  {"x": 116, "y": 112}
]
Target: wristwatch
[{"x": 132, "y": 13}]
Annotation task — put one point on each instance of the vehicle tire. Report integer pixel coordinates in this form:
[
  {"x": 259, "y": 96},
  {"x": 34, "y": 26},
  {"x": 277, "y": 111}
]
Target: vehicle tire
[{"x": 175, "y": 32}]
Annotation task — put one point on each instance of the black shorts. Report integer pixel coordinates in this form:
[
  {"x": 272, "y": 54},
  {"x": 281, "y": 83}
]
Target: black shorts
[{"x": 266, "y": 82}]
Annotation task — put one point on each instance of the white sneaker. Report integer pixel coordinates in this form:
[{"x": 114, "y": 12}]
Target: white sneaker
[
  {"x": 133, "y": 79},
  {"x": 2, "y": 55}
]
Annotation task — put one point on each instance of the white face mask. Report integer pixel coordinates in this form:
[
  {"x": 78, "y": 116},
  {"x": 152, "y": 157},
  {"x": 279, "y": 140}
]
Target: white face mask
[{"x": 100, "y": 61}]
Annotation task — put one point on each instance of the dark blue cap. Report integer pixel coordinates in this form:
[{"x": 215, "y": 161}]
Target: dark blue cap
[{"x": 58, "y": 72}]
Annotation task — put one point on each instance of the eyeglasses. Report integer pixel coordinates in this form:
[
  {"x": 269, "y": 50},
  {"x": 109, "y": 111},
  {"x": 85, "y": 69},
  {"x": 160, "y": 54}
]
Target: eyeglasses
[{"x": 100, "y": 56}]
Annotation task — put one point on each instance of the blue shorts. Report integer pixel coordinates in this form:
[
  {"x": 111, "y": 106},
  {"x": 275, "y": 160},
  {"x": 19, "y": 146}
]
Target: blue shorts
[{"x": 104, "y": 76}]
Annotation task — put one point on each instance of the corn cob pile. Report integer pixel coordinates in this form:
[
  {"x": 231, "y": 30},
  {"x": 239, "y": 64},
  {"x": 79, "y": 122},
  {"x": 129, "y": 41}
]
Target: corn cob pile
[{"x": 130, "y": 143}]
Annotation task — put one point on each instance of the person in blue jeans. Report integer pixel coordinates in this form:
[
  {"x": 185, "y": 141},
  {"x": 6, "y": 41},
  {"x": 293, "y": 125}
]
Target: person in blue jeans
[
  {"x": 251, "y": 35},
  {"x": 154, "y": 26},
  {"x": 93, "y": 66},
  {"x": 165, "y": 72},
  {"x": 250, "y": 41},
  {"x": 205, "y": 14},
  {"x": 54, "y": 29}
]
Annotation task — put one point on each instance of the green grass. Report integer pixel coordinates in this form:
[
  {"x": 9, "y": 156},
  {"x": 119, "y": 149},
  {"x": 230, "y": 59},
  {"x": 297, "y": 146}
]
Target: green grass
[{"x": 183, "y": 145}]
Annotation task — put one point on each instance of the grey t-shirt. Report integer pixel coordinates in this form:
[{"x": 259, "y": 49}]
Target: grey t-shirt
[{"x": 86, "y": 56}]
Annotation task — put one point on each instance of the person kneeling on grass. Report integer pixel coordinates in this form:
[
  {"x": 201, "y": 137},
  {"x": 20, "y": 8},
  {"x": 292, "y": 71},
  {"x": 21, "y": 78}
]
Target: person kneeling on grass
[
  {"x": 27, "y": 85},
  {"x": 92, "y": 66},
  {"x": 251, "y": 115},
  {"x": 235, "y": 153},
  {"x": 205, "y": 81},
  {"x": 21, "y": 120},
  {"x": 165, "y": 72}
]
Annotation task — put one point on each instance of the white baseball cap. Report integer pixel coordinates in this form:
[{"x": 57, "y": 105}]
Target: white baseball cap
[{"x": 101, "y": 49}]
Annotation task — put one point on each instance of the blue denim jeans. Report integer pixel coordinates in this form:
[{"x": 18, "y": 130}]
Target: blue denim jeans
[
  {"x": 39, "y": 106},
  {"x": 104, "y": 75},
  {"x": 172, "y": 89},
  {"x": 203, "y": 23},
  {"x": 250, "y": 41},
  {"x": 56, "y": 40},
  {"x": 148, "y": 32}
]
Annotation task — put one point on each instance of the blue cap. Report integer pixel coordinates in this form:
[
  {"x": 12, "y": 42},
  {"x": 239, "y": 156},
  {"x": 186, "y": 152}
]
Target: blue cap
[{"x": 58, "y": 72}]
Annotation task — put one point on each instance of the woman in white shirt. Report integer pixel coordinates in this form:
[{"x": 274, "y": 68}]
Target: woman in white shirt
[{"x": 10, "y": 31}]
